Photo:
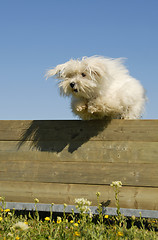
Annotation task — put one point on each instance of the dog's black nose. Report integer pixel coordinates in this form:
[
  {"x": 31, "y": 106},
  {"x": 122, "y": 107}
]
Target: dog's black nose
[{"x": 72, "y": 84}]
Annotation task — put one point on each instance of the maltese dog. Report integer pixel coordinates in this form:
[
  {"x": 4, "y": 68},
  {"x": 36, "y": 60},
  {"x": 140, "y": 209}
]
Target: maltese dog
[{"x": 100, "y": 87}]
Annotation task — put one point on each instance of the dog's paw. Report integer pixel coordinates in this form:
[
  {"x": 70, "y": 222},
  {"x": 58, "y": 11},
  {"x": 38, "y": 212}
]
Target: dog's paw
[
  {"x": 92, "y": 109},
  {"x": 81, "y": 108}
]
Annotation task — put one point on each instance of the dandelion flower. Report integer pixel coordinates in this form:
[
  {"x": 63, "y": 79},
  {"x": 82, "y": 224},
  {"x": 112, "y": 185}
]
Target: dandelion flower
[
  {"x": 36, "y": 200},
  {"x": 120, "y": 234},
  {"x": 71, "y": 221},
  {"x": 1, "y": 218},
  {"x": 133, "y": 218},
  {"x": 106, "y": 216},
  {"x": 7, "y": 210},
  {"x": 58, "y": 220},
  {"x": 47, "y": 219},
  {"x": 77, "y": 234},
  {"x": 23, "y": 226},
  {"x": 76, "y": 224},
  {"x": 17, "y": 238}
]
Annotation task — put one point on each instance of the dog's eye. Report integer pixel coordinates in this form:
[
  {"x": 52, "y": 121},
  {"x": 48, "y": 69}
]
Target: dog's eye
[{"x": 83, "y": 74}]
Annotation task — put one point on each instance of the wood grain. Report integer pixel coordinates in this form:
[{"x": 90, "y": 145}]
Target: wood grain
[
  {"x": 58, "y": 161},
  {"x": 130, "y": 197},
  {"x": 91, "y": 151},
  {"x": 127, "y": 130},
  {"x": 75, "y": 172}
]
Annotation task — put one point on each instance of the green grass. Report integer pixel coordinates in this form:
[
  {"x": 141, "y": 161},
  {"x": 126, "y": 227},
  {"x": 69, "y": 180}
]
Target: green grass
[{"x": 73, "y": 226}]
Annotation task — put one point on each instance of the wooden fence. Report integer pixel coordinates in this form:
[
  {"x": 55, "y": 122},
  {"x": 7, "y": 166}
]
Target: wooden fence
[{"x": 58, "y": 161}]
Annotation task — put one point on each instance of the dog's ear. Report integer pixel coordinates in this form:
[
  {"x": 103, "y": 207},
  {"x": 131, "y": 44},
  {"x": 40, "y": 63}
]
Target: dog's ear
[
  {"x": 95, "y": 66},
  {"x": 95, "y": 72},
  {"x": 55, "y": 71}
]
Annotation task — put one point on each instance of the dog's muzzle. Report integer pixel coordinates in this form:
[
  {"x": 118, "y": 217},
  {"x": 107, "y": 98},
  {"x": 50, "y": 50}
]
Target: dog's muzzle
[{"x": 72, "y": 85}]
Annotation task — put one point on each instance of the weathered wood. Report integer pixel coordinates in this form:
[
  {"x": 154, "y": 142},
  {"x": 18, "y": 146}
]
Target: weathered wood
[
  {"x": 130, "y": 197},
  {"x": 131, "y": 174},
  {"x": 58, "y": 161},
  {"x": 127, "y": 130},
  {"x": 107, "y": 152}
]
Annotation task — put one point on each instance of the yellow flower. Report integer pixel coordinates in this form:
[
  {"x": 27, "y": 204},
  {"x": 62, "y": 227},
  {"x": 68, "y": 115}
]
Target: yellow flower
[
  {"x": 120, "y": 234},
  {"x": 106, "y": 216},
  {"x": 65, "y": 205},
  {"x": 1, "y": 210},
  {"x": 7, "y": 210},
  {"x": 133, "y": 218},
  {"x": 98, "y": 194},
  {"x": 76, "y": 224},
  {"x": 1, "y": 218},
  {"x": 78, "y": 221},
  {"x": 17, "y": 238},
  {"x": 77, "y": 234},
  {"x": 71, "y": 221},
  {"x": 58, "y": 220},
  {"x": 36, "y": 200},
  {"x": 47, "y": 218}
]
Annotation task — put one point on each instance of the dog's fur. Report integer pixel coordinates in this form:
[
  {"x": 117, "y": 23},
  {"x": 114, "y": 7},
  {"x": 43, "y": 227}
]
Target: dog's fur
[{"x": 100, "y": 87}]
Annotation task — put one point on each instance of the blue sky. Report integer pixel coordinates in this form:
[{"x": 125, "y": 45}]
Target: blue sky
[{"x": 38, "y": 34}]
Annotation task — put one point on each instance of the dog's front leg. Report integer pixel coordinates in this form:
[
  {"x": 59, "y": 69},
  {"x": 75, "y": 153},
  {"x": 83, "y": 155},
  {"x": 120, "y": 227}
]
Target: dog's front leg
[
  {"x": 101, "y": 107},
  {"x": 78, "y": 105},
  {"x": 95, "y": 106}
]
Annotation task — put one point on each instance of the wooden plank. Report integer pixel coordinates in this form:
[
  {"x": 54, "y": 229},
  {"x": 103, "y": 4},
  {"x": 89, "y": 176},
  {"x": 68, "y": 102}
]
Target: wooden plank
[
  {"x": 91, "y": 151},
  {"x": 70, "y": 131},
  {"x": 131, "y": 174},
  {"x": 130, "y": 197},
  {"x": 63, "y": 160}
]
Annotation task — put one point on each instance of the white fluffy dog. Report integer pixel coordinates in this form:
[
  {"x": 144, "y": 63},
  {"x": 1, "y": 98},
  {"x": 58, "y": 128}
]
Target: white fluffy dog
[{"x": 100, "y": 87}]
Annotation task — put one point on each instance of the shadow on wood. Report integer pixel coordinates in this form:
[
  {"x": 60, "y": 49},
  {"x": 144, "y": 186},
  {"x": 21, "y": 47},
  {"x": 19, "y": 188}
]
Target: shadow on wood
[
  {"x": 58, "y": 161},
  {"x": 42, "y": 134}
]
